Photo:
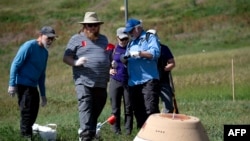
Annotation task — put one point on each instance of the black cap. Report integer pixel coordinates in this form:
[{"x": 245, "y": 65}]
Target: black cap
[{"x": 48, "y": 31}]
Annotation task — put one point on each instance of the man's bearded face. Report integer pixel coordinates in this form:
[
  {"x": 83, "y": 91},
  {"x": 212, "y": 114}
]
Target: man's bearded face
[{"x": 92, "y": 31}]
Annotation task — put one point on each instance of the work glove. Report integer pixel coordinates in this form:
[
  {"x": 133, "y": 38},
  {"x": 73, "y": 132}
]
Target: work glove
[
  {"x": 135, "y": 54},
  {"x": 12, "y": 90},
  {"x": 80, "y": 62},
  {"x": 114, "y": 64},
  {"x": 124, "y": 58},
  {"x": 44, "y": 101}
]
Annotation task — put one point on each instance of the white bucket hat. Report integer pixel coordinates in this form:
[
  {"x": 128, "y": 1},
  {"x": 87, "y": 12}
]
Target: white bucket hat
[{"x": 90, "y": 17}]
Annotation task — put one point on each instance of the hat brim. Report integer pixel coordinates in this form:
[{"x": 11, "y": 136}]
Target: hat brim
[
  {"x": 128, "y": 29},
  {"x": 91, "y": 22},
  {"x": 122, "y": 36},
  {"x": 50, "y": 35}
]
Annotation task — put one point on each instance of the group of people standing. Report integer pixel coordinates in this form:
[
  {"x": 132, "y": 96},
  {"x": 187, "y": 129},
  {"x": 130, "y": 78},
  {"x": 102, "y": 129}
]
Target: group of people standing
[
  {"x": 135, "y": 61},
  {"x": 128, "y": 72}
]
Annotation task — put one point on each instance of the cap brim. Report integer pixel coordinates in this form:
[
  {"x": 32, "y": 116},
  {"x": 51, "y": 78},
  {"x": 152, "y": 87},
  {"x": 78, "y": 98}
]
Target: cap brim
[
  {"x": 128, "y": 29},
  {"x": 122, "y": 36},
  {"x": 50, "y": 35}
]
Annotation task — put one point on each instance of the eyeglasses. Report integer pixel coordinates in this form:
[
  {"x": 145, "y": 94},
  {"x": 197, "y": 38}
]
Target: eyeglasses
[
  {"x": 93, "y": 25},
  {"x": 124, "y": 39}
]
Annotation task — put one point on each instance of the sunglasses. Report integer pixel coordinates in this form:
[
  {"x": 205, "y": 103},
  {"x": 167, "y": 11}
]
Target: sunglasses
[
  {"x": 124, "y": 39},
  {"x": 93, "y": 25},
  {"x": 51, "y": 38}
]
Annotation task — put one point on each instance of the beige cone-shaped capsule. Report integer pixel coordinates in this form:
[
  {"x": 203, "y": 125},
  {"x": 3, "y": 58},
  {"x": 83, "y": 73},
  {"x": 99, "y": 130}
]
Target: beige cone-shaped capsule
[{"x": 172, "y": 127}]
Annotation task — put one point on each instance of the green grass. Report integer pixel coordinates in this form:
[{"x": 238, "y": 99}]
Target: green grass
[
  {"x": 203, "y": 35},
  {"x": 203, "y": 89}
]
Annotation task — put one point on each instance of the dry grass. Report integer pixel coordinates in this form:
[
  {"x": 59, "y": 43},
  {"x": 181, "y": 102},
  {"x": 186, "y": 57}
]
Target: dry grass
[{"x": 212, "y": 68}]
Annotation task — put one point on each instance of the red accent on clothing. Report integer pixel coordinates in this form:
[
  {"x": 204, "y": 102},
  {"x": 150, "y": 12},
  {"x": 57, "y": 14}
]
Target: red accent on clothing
[
  {"x": 84, "y": 43},
  {"x": 110, "y": 46}
]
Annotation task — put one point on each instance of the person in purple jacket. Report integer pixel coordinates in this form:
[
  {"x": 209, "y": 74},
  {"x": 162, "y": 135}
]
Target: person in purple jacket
[
  {"x": 26, "y": 73},
  {"x": 118, "y": 85}
]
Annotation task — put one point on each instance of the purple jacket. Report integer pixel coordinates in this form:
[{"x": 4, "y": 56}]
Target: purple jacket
[{"x": 122, "y": 74}]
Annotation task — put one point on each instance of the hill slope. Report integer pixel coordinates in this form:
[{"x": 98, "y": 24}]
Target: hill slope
[{"x": 198, "y": 23}]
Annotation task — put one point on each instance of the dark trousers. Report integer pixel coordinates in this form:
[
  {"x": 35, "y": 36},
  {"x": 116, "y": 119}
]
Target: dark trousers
[
  {"x": 28, "y": 101},
  {"x": 91, "y": 102},
  {"x": 145, "y": 100},
  {"x": 117, "y": 92}
]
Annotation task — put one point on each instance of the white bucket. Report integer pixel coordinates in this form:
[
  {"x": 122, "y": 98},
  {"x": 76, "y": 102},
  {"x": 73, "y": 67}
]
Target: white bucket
[{"x": 47, "y": 132}]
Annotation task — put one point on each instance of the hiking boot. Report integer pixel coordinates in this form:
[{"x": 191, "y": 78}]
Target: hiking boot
[
  {"x": 128, "y": 132},
  {"x": 85, "y": 139},
  {"x": 86, "y": 136},
  {"x": 118, "y": 132},
  {"x": 27, "y": 137}
]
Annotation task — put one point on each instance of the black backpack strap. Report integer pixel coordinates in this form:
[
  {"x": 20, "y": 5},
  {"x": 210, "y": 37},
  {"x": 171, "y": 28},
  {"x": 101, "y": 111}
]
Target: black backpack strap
[
  {"x": 128, "y": 45},
  {"x": 147, "y": 35}
]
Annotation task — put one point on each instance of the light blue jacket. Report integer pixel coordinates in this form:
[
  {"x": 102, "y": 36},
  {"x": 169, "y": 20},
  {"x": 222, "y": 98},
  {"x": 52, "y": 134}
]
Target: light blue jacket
[
  {"x": 141, "y": 69},
  {"x": 29, "y": 66}
]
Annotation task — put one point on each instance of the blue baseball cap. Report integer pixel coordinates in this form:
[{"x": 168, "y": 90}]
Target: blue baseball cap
[{"x": 131, "y": 23}]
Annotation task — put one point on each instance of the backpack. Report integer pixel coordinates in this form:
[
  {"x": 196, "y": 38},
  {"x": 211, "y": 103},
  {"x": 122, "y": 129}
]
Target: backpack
[{"x": 162, "y": 60}]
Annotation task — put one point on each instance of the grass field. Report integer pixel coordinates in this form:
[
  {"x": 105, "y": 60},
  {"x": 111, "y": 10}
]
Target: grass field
[
  {"x": 206, "y": 36},
  {"x": 205, "y": 93}
]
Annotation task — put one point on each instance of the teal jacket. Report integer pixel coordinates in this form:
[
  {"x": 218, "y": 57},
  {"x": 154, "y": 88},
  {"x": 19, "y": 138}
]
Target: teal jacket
[{"x": 29, "y": 66}]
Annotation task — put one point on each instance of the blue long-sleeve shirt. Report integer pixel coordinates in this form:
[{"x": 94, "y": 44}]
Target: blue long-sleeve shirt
[
  {"x": 141, "y": 69},
  {"x": 29, "y": 66}
]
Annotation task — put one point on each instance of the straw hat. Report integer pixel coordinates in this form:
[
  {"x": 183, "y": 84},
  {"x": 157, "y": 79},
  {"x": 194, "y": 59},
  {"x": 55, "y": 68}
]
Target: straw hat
[{"x": 90, "y": 17}]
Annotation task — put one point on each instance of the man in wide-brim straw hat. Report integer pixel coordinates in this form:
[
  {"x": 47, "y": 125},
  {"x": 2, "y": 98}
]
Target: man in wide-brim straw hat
[
  {"x": 86, "y": 53},
  {"x": 91, "y": 20},
  {"x": 90, "y": 17}
]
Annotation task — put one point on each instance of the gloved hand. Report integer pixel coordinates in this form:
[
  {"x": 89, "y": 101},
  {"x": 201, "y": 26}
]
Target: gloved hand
[
  {"x": 114, "y": 64},
  {"x": 135, "y": 54},
  {"x": 81, "y": 61},
  {"x": 124, "y": 58},
  {"x": 12, "y": 90},
  {"x": 44, "y": 101}
]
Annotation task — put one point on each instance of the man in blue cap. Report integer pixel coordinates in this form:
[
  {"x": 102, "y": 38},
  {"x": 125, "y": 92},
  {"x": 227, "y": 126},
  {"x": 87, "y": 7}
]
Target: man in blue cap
[{"x": 143, "y": 79}]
